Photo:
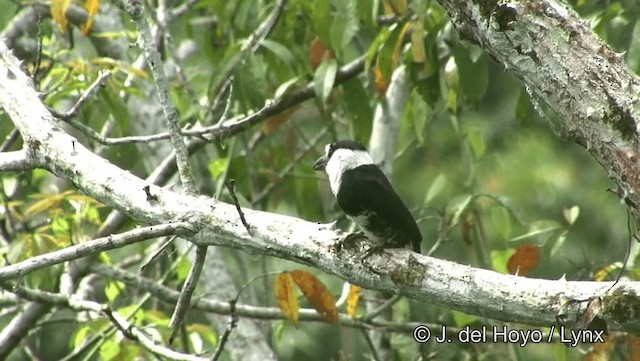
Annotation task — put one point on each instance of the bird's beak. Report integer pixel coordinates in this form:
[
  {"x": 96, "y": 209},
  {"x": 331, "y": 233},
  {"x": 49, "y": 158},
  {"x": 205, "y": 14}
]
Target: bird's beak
[{"x": 320, "y": 163}]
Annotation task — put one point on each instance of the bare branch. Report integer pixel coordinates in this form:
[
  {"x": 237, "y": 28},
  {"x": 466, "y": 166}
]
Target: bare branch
[
  {"x": 95, "y": 246},
  {"x": 17, "y": 160},
  {"x": 121, "y": 323},
  {"x": 566, "y": 66},
  {"x": 250, "y": 45},
  {"x": 85, "y": 97},
  {"x": 238, "y": 124},
  {"x": 13, "y": 333},
  {"x": 148, "y": 46},
  {"x": 476, "y": 291},
  {"x": 184, "y": 301}
]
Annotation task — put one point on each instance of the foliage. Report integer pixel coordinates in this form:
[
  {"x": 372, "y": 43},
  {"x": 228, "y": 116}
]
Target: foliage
[{"x": 476, "y": 162}]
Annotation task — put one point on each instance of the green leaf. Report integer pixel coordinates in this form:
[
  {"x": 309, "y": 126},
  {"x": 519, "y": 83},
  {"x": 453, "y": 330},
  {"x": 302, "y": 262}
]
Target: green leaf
[
  {"x": 360, "y": 107},
  {"x": 524, "y": 107},
  {"x": 284, "y": 87},
  {"x": 376, "y": 44},
  {"x": 456, "y": 207},
  {"x": 60, "y": 226},
  {"x": 554, "y": 242},
  {"x": 462, "y": 319},
  {"x": 112, "y": 290},
  {"x": 344, "y": 25},
  {"x": 538, "y": 228},
  {"x": 571, "y": 214},
  {"x": 80, "y": 336},
  {"x": 183, "y": 268},
  {"x": 368, "y": 11},
  {"x": 109, "y": 350},
  {"x": 474, "y": 72},
  {"x": 633, "y": 52},
  {"x": 501, "y": 221},
  {"x": 436, "y": 187},
  {"x": 321, "y": 19},
  {"x": 217, "y": 167},
  {"x": 280, "y": 51},
  {"x": 324, "y": 79},
  {"x": 476, "y": 139},
  {"x": 417, "y": 112},
  {"x": 499, "y": 259},
  {"x": 386, "y": 51}
]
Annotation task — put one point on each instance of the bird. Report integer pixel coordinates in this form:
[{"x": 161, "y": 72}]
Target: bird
[{"x": 365, "y": 194}]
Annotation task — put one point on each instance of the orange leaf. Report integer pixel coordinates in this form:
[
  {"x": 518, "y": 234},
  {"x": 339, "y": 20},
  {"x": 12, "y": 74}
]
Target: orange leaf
[
  {"x": 353, "y": 299},
  {"x": 318, "y": 294},
  {"x": 92, "y": 9},
  {"x": 59, "y": 12},
  {"x": 378, "y": 78},
  {"x": 286, "y": 297},
  {"x": 277, "y": 120},
  {"x": 524, "y": 260},
  {"x": 318, "y": 52}
]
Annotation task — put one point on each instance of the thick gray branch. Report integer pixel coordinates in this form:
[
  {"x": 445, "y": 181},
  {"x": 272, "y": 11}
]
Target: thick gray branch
[
  {"x": 565, "y": 65},
  {"x": 475, "y": 291}
]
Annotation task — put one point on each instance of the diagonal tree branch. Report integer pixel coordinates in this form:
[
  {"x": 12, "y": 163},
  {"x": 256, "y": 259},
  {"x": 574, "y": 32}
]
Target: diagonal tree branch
[
  {"x": 476, "y": 291},
  {"x": 92, "y": 247},
  {"x": 563, "y": 64}
]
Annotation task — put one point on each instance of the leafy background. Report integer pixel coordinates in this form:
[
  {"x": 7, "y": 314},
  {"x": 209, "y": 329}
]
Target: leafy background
[{"x": 477, "y": 162}]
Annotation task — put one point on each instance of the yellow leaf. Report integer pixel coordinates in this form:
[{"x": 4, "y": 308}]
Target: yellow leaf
[
  {"x": 92, "y": 9},
  {"x": 418, "y": 52},
  {"x": 318, "y": 294},
  {"x": 379, "y": 80},
  {"x": 286, "y": 297},
  {"x": 59, "y": 12},
  {"x": 353, "y": 299},
  {"x": 44, "y": 204}
]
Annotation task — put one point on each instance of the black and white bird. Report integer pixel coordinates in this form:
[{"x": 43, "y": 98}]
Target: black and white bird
[{"x": 365, "y": 194}]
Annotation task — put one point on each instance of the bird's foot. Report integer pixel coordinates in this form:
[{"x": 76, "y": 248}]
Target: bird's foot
[
  {"x": 373, "y": 250},
  {"x": 348, "y": 241}
]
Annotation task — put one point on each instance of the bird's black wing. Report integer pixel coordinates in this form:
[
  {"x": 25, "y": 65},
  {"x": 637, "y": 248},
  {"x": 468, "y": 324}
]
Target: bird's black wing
[{"x": 366, "y": 188}]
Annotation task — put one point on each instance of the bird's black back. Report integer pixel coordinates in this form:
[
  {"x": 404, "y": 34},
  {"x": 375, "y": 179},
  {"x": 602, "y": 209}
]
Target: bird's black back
[{"x": 366, "y": 188}]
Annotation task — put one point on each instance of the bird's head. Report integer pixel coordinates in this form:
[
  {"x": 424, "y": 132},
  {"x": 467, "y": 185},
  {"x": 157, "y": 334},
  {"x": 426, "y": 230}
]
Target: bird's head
[{"x": 341, "y": 156}]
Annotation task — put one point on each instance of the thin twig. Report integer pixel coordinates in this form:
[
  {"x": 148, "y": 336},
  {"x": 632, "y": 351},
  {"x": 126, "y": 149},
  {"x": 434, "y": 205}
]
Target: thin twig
[
  {"x": 95, "y": 246},
  {"x": 240, "y": 123},
  {"x": 388, "y": 303},
  {"x": 231, "y": 187},
  {"x": 148, "y": 46},
  {"x": 231, "y": 325},
  {"x": 97, "y": 84},
  {"x": 287, "y": 169},
  {"x": 249, "y": 46},
  {"x": 157, "y": 253},
  {"x": 184, "y": 301}
]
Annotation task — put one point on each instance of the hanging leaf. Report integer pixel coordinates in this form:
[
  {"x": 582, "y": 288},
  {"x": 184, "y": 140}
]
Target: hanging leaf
[
  {"x": 525, "y": 259},
  {"x": 571, "y": 214},
  {"x": 324, "y": 79},
  {"x": 379, "y": 79},
  {"x": 352, "y": 300},
  {"x": 318, "y": 294},
  {"x": 59, "y": 13},
  {"x": 92, "y": 10},
  {"x": 286, "y": 297},
  {"x": 318, "y": 52}
]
